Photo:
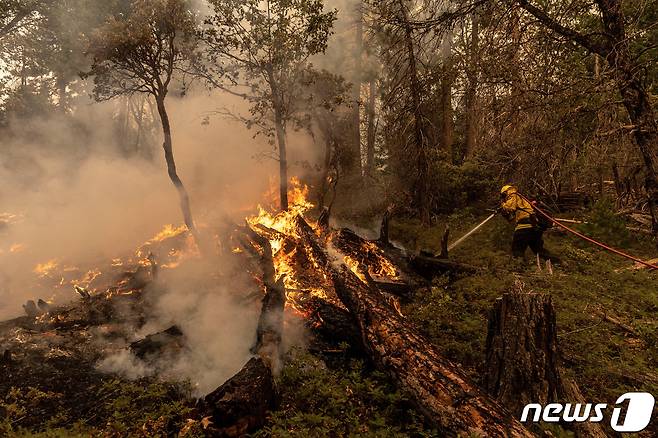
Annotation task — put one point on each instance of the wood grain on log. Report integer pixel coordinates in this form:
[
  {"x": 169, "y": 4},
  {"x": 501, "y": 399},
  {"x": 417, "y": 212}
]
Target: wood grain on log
[{"x": 521, "y": 351}]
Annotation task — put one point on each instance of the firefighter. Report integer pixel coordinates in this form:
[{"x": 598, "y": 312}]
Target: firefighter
[{"x": 527, "y": 232}]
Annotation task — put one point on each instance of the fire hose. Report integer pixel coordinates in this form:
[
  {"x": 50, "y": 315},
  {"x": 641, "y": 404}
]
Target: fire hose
[
  {"x": 588, "y": 239},
  {"x": 561, "y": 225}
]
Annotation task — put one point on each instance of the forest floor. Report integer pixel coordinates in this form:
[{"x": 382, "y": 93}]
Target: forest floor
[{"x": 343, "y": 396}]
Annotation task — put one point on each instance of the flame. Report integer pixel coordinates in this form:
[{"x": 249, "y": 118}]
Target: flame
[
  {"x": 47, "y": 268},
  {"x": 168, "y": 232},
  {"x": 353, "y": 264},
  {"x": 384, "y": 266},
  {"x": 284, "y": 224},
  {"x": 16, "y": 247}
]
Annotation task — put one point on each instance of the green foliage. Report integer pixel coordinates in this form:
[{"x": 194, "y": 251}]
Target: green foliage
[
  {"x": 123, "y": 409},
  {"x": 604, "y": 224},
  {"x": 140, "y": 51},
  {"x": 317, "y": 401},
  {"x": 158, "y": 407},
  {"x": 267, "y": 48},
  {"x": 604, "y": 359},
  {"x": 455, "y": 187}
]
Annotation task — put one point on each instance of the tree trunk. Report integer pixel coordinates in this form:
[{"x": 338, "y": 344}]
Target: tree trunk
[
  {"x": 615, "y": 48},
  {"x": 358, "y": 67},
  {"x": 280, "y": 128},
  {"x": 171, "y": 166},
  {"x": 522, "y": 358},
  {"x": 370, "y": 150},
  {"x": 521, "y": 351},
  {"x": 240, "y": 405},
  {"x": 422, "y": 181},
  {"x": 447, "y": 128},
  {"x": 438, "y": 388},
  {"x": 270, "y": 322},
  {"x": 471, "y": 90},
  {"x": 283, "y": 158},
  {"x": 636, "y": 99}
]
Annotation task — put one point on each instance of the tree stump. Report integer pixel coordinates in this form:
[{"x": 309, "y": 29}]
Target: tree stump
[
  {"x": 522, "y": 357},
  {"x": 521, "y": 351}
]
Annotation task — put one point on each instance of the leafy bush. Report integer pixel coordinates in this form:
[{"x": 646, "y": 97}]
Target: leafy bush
[
  {"x": 604, "y": 224},
  {"x": 317, "y": 401},
  {"x": 455, "y": 187}
]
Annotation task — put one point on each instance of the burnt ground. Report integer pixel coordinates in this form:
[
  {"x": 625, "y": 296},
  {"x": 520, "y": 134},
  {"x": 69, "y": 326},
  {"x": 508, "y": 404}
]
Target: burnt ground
[
  {"x": 49, "y": 362},
  {"x": 49, "y": 366}
]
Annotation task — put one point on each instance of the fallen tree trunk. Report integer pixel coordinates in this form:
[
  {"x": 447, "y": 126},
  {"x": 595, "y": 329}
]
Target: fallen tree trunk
[
  {"x": 438, "y": 388},
  {"x": 270, "y": 322}
]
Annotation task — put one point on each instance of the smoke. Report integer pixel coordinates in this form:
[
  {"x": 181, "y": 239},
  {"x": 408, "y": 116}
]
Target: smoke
[
  {"x": 74, "y": 197},
  {"x": 70, "y": 194}
]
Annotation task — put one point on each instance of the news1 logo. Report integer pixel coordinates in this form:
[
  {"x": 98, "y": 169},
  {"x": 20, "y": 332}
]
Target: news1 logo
[{"x": 637, "y": 414}]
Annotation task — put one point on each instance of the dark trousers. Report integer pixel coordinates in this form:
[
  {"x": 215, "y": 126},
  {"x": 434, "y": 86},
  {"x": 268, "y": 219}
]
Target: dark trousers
[{"x": 528, "y": 237}]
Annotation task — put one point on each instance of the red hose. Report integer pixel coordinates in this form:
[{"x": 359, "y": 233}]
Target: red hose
[{"x": 589, "y": 239}]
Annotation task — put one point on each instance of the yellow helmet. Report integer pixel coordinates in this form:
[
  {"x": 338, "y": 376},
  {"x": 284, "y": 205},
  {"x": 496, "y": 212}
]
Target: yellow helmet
[{"x": 507, "y": 188}]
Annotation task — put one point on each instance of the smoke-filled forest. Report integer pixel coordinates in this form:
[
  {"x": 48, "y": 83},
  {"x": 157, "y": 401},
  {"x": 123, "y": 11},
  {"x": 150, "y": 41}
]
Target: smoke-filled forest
[{"x": 328, "y": 218}]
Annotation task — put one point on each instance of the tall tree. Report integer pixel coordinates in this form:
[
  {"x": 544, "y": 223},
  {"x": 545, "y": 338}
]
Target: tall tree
[
  {"x": 614, "y": 46},
  {"x": 260, "y": 51},
  {"x": 358, "y": 79},
  {"x": 447, "y": 79},
  {"x": 15, "y": 14},
  {"x": 140, "y": 53},
  {"x": 472, "y": 72},
  {"x": 392, "y": 20}
]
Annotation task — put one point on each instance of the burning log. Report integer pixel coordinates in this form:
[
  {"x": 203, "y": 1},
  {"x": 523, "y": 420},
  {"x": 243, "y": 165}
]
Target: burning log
[
  {"x": 323, "y": 219},
  {"x": 440, "y": 391},
  {"x": 240, "y": 405},
  {"x": 270, "y": 322},
  {"x": 522, "y": 356},
  {"x": 336, "y": 327}
]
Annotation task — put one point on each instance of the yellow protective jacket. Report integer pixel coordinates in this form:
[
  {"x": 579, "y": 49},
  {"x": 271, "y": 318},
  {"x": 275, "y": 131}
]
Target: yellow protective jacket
[{"x": 517, "y": 210}]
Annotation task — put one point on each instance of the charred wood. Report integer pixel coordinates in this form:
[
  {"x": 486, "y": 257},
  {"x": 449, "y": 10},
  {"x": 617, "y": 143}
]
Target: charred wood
[
  {"x": 240, "y": 405},
  {"x": 384, "y": 228},
  {"x": 165, "y": 344},
  {"x": 444, "y": 243},
  {"x": 323, "y": 219},
  {"x": 429, "y": 266}
]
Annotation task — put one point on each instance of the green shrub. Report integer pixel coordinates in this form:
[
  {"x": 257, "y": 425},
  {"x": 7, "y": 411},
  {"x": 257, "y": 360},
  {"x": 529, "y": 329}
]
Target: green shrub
[
  {"x": 604, "y": 224},
  {"x": 317, "y": 401},
  {"x": 455, "y": 187}
]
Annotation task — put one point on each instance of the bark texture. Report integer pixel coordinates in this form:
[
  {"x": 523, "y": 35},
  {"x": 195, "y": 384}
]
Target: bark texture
[
  {"x": 437, "y": 386},
  {"x": 171, "y": 166},
  {"x": 522, "y": 357},
  {"x": 240, "y": 405},
  {"x": 521, "y": 351}
]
